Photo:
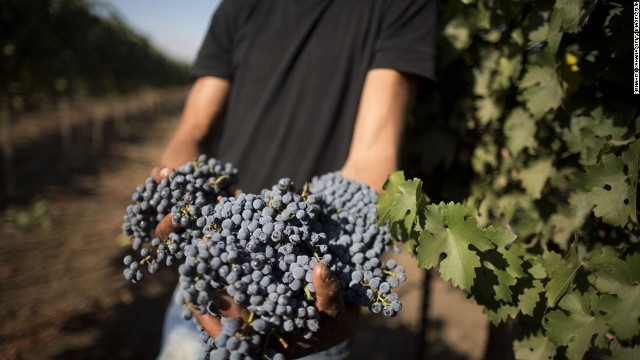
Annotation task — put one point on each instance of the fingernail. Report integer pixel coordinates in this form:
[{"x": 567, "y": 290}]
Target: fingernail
[{"x": 165, "y": 171}]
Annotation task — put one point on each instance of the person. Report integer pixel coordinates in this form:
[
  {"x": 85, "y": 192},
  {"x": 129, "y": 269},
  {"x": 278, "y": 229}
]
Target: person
[{"x": 297, "y": 88}]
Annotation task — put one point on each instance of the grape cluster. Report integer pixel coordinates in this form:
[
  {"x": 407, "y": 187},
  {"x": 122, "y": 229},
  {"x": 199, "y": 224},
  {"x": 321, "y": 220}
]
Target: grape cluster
[
  {"x": 357, "y": 243},
  {"x": 260, "y": 249},
  {"x": 182, "y": 194}
]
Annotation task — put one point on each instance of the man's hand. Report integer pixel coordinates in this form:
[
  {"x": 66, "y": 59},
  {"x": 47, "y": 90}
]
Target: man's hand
[{"x": 337, "y": 319}]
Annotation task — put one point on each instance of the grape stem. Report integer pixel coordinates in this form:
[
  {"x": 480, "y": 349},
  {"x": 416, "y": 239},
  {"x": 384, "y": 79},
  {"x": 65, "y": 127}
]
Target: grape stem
[{"x": 146, "y": 260}]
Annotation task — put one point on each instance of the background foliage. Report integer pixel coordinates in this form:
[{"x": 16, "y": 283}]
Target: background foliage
[
  {"x": 55, "y": 48},
  {"x": 528, "y": 147}
]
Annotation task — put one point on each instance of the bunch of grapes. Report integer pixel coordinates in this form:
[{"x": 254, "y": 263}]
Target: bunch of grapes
[
  {"x": 260, "y": 249},
  {"x": 182, "y": 194}
]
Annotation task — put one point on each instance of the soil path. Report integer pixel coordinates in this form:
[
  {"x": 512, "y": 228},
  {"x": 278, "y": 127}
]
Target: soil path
[{"x": 63, "y": 296}]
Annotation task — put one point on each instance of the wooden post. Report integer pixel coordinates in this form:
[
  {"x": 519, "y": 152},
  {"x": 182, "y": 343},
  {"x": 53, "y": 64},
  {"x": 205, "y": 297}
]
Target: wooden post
[
  {"x": 97, "y": 136},
  {"x": 7, "y": 148},
  {"x": 65, "y": 125},
  {"x": 119, "y": 115}
]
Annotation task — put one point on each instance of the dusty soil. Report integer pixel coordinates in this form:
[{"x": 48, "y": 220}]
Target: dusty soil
[{"x": 63, "y": 296}]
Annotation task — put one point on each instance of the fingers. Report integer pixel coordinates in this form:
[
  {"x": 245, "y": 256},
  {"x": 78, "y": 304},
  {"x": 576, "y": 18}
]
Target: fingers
[
  {"x": 224, "y": 306},
  {"x": 211, "y": 324},
  {"x": 166, "y": 227},
  {"x": 228, "y": 308},
  {"x": 160, "y": 172},
  {"x": 327, "y": 288}
]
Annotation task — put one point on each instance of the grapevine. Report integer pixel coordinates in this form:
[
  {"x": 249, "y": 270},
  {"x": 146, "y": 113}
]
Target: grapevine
[{"x": 544, "y": 230}]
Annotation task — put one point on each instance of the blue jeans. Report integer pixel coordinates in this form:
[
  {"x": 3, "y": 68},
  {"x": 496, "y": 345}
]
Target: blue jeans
[{"x": 181, "y": 339}]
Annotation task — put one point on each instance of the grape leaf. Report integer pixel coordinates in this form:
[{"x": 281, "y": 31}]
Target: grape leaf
[
  {"x": 519, "y": 129},
  {"x": 537, "y": 26},
  {"x": 621, "y": 312},
  {"x": 540, "y": 90},
  {"x": 448, "y": 230},
  {"x": 484, "y": 155},
  {"x": 631, "y": 159},
  {"x": 609, "y": 191},
  {"x": 536, "y": 347},
  {"x": 499, "y": 236},
  {"x": 609, "y": 271},
  {"x": 561, "y": 274},
  {"x": 535, "y": 176},
  {"x": 588, "y": 135},
  {"x": 502, "y": 291},
  {"x": 487, "y": 110},
  {"x": 576, "y": 327},
  {"x": 537, "y": 269},
  {"x": 483, "y": 74},
  {"x": 622, "y": 353},
  {"x": 501, "y": 313},
  {"x": 570, "y": 11},
  {"x": 530, "y": 297},
  {"x": 573, "y": 14},
  {"x": 508, "y": 70},
  {"x": 458, "y": 32},
  {"x": 633, "y": 267},
  {"x": 619, "y": 280},
  {"x": 567, "y": 220},
  {"x": 400, "y": 201}
]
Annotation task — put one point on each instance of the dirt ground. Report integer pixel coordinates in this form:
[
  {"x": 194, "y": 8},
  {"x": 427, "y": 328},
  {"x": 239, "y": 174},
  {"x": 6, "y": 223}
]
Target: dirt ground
[{"x": 63, "y": 296}]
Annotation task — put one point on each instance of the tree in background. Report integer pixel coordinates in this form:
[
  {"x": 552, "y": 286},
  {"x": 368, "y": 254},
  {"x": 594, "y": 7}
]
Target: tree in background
[{"x": 64, "y": 48}]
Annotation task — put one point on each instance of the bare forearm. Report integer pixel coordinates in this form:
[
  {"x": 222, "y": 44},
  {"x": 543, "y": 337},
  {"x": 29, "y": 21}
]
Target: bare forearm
[
  {"x": 179, "y": 151},
  {"x": 373, "y": 154},
  {"x": 203, "y": 108}
]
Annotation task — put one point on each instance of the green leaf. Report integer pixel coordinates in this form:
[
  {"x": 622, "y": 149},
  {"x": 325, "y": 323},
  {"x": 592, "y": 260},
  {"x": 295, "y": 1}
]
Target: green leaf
[
  {"x": 514, "y": 255},
  {"x": 535, "y": 176},
  {"x": 619, "y": 280},
  {"x": 536, "y": 347},
  {"x": 499, "y": 236},
  {"x": 631, "y": 159},
  {"x": 400, "y": 201},
  {"x": 487, "y": 110},
  {"x": 561, "y": 274},
  {"x": 577, "y": 327},
  {"x": 568, "y": 219},
  {"x": 500, "y": 314},
  {"x": 458, "y": 32},
  {"x": 484, "y": 156},
  {"x": 448, "y": 230},
  {"x": 622, "y": 353},
  {"x": 528, "y": 300},
  {"x": 588, "y": 135},
  {"x": 610, "y": 193},
  {"x": 573, "y": 14},
  {"x": 508, "y": 70},
  {"x": 541, "y": 90},
  {"x": 519, "y": 129},
  {"x": 537, "y": 269},
  {"x": 621, "y": 312},
  {"x": 506, "y": 277},
  {"x": 570, "y": 11},
  {"x": 633, "y": 267},
  {"x": 609, "y": 271},
  {"x": 483, "y": 74},
  {"x": 537, "y": 25}
]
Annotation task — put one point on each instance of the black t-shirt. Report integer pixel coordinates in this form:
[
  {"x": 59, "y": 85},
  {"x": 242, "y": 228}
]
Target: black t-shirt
[{"x": 297, "y": 68}]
